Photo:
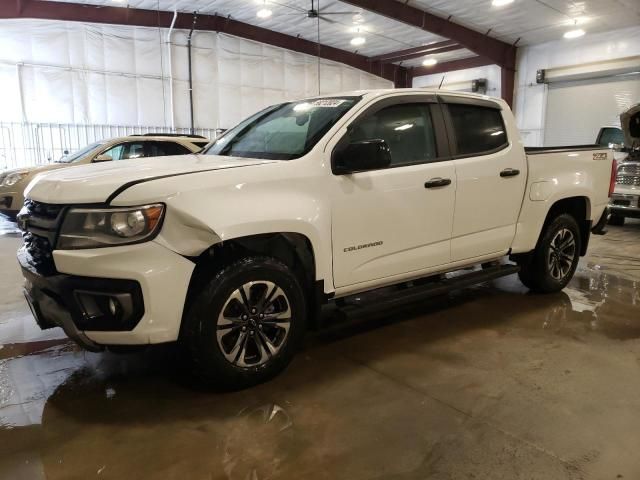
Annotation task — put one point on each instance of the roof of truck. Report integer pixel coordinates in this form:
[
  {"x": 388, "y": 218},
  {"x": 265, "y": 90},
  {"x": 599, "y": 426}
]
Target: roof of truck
[{"x": 385, "y": 91}]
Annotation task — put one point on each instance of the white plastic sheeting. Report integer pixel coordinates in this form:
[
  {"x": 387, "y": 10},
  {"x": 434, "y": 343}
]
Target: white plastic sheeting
[
  {"x": 531, "y": 98},
  {"x": 76, "y": 73}
]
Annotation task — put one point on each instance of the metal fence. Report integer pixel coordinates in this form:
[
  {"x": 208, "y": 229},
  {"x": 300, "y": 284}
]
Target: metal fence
[{"x": 29, "y": 144}]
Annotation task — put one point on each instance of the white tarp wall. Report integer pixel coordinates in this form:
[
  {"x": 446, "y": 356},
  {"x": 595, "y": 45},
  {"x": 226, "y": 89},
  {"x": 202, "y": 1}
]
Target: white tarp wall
[{"x": 93, "y": 74}]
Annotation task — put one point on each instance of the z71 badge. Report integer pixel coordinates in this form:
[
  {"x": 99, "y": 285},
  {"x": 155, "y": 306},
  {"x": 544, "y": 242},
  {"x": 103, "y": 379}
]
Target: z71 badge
[
  {"x": 600, "y": 156},
  {"x": 364, "y": 245}
]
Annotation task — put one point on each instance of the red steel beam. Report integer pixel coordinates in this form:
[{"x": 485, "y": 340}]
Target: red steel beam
[
  {"x": 76, "y": 12},
  {"x": 417, "y": 52},
  {"x": 500, "y": 53},
  {"x": 507, "y": 84}
]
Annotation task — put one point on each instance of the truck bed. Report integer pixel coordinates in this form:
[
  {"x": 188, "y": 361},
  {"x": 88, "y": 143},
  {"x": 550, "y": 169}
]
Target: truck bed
[{"x": 560, "y": 149}]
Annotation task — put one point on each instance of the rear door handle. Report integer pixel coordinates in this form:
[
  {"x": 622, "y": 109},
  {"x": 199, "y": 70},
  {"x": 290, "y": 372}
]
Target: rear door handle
[
  {"x": 437, "y": 182},
  {"x": 509, "y": 172}
]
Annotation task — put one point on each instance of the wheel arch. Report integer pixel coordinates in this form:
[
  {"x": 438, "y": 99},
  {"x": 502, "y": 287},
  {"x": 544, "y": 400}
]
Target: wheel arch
[
  {"x": 293, "y": 249},
  {"x": 579, "y": 207}
]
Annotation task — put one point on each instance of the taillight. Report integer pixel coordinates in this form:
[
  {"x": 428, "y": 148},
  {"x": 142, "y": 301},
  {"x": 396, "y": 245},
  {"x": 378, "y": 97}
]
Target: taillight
[{"x": 614, "y": 173}]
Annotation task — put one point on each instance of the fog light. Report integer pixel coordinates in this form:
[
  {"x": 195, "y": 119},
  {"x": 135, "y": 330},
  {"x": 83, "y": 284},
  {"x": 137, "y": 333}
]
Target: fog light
[
  {"x": 110, "y": 310},
  {"x": 99, "y": 307}
]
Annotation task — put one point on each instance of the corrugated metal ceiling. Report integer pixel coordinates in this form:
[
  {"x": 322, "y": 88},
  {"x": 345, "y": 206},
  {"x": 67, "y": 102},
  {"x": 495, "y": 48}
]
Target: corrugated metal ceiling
[
  {"x": 526, "y": 21},
  {"x": 290, "y": 17},
  {"x": 535, "y": 21}
]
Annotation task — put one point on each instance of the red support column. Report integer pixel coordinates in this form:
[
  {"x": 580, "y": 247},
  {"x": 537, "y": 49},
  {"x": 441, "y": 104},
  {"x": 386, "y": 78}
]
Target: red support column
[{"x": 507, "y": 77}]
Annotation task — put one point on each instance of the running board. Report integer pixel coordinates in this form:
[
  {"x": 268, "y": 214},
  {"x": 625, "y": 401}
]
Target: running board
[{"x": 383, "y": 298}]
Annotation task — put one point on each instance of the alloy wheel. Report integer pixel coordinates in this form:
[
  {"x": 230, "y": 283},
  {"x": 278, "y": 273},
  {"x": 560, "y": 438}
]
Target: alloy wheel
[
  {"x": 253, "y": 325},
  {"x": 561, "y": 254}
]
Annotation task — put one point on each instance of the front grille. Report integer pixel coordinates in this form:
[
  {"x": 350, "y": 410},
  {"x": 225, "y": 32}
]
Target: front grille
[
  {"x": 39, "y": 223},
  {"x": 629, "y": 174},
  {"x": 628, "y": 180}
]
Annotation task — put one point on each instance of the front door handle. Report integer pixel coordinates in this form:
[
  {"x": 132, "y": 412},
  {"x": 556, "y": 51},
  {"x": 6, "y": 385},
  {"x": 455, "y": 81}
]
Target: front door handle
[
  {"x": 509, "y": 172},
  {"x": 437, "y": 182}
]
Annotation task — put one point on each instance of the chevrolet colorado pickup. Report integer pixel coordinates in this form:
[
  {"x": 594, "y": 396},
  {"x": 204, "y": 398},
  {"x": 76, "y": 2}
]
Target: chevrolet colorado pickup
[{"x": 231, "y": 252}]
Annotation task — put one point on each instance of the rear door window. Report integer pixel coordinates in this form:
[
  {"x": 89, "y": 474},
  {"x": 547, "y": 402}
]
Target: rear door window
[
  {"x": 478, "y": 129},
  {"x": 161, "y": 149}
]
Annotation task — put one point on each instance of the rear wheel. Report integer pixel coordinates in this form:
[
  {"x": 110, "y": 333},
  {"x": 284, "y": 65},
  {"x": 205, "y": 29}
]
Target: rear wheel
[
  {"x": 617, "y": 220},
  {"x": 245, "y": 325},
  {"x": 550, "y": 267}
]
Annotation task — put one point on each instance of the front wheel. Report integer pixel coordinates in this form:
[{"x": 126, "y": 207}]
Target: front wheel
[
  {"x": 550, "y": 267},
  {"x": 245, "y": 325}
]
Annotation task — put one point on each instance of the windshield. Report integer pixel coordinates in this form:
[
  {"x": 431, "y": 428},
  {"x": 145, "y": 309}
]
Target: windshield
[
  {"x": 610, "y": 135},
  {"x": 283, "y": 132},
  {"x": 79, "y": 154}
]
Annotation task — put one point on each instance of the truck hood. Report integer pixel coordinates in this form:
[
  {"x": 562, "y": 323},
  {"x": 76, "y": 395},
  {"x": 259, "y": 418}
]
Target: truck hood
[
  {"x": 95, "y": 183},
  {"x": 630, "y": 123}
]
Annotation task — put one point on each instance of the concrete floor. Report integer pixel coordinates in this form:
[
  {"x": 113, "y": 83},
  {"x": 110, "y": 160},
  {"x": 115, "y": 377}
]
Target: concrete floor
[{"x": 487, "y": 383}]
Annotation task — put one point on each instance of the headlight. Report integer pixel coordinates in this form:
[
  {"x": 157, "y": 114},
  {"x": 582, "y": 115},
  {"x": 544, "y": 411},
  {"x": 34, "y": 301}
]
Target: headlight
[
  {"x": 13, "y": 178},
  {"x": 109, "y": 227}
]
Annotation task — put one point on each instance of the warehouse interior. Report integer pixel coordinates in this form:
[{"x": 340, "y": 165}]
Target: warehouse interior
[{"x": 490, "y": 381}]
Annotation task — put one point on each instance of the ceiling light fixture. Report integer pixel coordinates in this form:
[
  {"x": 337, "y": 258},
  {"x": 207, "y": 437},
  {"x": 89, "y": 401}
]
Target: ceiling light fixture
[
  {"x": 429, "y": 62},
  {"x": 581, "y": 20},
  {"x": 501, "y": 3},
  {"x": 358, "y": 29},
  {"x": 264, "y": 13},
  {"x": 574, "y": 33},
  {"x": 356, "y": 41}
]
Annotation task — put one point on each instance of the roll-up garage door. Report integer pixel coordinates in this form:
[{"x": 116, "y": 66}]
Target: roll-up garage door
[{"x": 576, "y": 110}]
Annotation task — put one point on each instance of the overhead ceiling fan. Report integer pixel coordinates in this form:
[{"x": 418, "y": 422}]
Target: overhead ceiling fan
[{"x": 315, "y": 12}]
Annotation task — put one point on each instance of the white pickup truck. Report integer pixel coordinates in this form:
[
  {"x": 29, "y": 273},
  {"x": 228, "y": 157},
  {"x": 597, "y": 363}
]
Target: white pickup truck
[
  {"x": 625, "y": 201},
  {"x": 233, "y": 251}
]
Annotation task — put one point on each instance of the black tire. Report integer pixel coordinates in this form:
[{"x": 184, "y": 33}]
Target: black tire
[
  {"x": 545, "y": 270},
  {"x": 617, "y": 220},
  {"x": 210, "y": 358}
]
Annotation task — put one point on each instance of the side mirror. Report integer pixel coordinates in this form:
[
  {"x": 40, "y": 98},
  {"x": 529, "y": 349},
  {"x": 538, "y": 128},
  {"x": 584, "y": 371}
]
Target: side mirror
[
  {"x": 65, "y": 152},
  {"x": 103, "y": 158},
  {"x": 361, "y": 156}
]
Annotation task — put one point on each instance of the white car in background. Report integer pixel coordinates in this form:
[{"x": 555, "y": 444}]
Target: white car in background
[{"x": 13, "y": 182}]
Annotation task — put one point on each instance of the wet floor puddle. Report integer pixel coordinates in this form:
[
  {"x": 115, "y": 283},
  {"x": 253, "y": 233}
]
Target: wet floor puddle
[{"x": 54, "y": 398}]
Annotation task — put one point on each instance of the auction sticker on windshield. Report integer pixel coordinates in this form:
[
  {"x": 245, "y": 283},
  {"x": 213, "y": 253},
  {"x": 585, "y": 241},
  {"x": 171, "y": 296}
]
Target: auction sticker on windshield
[{"x": 328, "y": 102}]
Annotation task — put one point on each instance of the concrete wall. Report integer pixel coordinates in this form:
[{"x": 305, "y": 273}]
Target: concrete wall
[
  {"x": 531, "y": 98},
  {"x": 461, "y": 79}
]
